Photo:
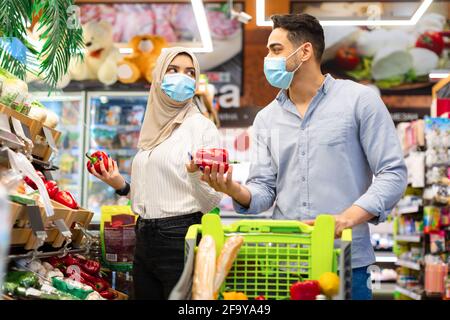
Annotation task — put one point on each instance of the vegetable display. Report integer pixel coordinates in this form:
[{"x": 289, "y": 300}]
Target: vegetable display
[{"x": 392, "y": 57}]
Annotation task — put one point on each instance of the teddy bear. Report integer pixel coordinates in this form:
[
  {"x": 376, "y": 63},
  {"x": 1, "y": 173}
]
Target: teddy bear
[
  {"x": 101, "y": 57},
  {"x": 139, "y": 64}
]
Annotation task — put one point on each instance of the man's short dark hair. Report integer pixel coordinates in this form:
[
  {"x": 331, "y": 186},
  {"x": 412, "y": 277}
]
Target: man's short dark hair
[{"x": 302, "y": 28}]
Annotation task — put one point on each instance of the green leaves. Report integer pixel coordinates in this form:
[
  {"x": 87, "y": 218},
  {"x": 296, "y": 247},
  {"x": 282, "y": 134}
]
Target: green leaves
[{"x": 61, "y": 40}]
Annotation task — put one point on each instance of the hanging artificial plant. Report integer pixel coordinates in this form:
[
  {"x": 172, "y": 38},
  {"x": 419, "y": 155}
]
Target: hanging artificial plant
[{"x": 60, "y": 33}]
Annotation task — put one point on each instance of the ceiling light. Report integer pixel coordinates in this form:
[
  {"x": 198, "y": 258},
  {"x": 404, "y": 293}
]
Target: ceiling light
[
  {"x": 261, "y": 18},
  {"x": 203, "y": 26}
]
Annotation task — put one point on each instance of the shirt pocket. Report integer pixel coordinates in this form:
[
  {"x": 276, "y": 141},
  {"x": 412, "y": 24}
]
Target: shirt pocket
[{"x": 331, "y": 129}]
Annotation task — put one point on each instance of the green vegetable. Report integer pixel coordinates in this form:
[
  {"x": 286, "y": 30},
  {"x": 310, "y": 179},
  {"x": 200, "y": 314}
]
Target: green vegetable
[
  {"x": 391, "y": 82},
  {"x": 36, "y": 103},
  {"x": 9, "y": 288},
  {"x": 23, "y": 278},
  {"x": 22, "y": 199},
  {"x": 363, "y": 71}
]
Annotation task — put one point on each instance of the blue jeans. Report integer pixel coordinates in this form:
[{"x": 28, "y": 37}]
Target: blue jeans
[{"x": 360, "y": 281}]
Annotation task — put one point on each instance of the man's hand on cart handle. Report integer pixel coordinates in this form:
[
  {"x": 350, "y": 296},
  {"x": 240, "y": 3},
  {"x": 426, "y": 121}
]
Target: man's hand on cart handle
[{"x": 348, "y": 219}]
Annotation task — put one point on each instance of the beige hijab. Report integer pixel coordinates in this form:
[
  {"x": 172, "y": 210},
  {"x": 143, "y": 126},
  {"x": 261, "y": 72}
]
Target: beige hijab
[{"x": 164, "y": 115}]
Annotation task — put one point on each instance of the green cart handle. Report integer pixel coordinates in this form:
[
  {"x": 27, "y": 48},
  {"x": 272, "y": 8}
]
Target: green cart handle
[{"x": 272, "y": 226}]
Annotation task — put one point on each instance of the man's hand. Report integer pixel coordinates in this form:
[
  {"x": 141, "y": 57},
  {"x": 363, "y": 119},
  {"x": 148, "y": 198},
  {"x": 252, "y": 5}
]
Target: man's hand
[
  {"x": 216, "y": 178},
  {"x": 348, "y": 219}
]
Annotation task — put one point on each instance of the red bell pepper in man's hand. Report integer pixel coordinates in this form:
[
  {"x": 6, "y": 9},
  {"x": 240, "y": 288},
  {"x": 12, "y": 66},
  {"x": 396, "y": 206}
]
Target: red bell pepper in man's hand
[
  {"x": 206, "y": 158},
  {"x": 305, "y": 290},
  {"x": 66, "y": 199},
  {"x": 95, "y": 159}
]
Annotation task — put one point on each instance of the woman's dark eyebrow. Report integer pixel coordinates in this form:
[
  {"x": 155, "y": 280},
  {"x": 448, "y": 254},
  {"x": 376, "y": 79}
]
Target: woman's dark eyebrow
[
  {"x": 173, "y": 66},
  {"x": 191, "y": 69}
]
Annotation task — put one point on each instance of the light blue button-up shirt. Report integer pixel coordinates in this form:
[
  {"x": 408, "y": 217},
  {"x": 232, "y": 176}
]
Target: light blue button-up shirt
[{"x": 325, "y": 161}]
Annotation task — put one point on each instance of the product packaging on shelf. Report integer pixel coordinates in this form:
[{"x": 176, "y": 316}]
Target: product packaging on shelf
[{"x": 117, "y": 237}]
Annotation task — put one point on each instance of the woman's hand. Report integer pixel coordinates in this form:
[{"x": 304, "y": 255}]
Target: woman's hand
[
  {"x": 191, "y": 167},
  {"x": 112, "y": 176}
]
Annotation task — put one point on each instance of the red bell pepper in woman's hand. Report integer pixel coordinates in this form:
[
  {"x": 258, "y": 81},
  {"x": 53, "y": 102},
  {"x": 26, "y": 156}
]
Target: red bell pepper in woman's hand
[
  {"x": 206, "y": 158},
  {"x": 66, "y": 199},
  {"x": 305, "y": 290},
  {"x": 52, "y": 188},
  {"x": 95, "y": 160}
]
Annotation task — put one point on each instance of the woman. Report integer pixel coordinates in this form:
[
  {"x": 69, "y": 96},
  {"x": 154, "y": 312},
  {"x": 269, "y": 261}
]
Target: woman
[{"x": 166, "y": 189}]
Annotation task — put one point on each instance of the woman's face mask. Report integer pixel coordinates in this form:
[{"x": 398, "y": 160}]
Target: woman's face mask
[
  {"x": 276, "y": 73},
  {"x": 178, "y": 86}
]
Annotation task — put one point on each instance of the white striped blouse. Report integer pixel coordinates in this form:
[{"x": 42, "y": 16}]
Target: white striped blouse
[{"x": 160, "y": 184}]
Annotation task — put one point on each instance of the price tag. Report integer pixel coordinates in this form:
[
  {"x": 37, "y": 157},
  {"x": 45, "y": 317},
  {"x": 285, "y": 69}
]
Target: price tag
[
  {"x": 37, "y": 225},
  {"x": 4, "y": 122},
  {"x": 62, "y": 227},
  {"x": 49, "y": 136},
  {"x": 18, "y": 129}
]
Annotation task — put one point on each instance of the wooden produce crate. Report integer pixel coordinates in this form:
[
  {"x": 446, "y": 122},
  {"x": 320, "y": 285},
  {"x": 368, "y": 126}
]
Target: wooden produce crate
[
  {"x": 41, "y": 148},
  {"x": 61, "y": 212},
  {"x": 20, "y": 233},
  {"x": 34, "y": 126},
  {"x": 120, "y": 295},
  {"x": 80, "y": 216},
  {"x": 17, "y": 212}
]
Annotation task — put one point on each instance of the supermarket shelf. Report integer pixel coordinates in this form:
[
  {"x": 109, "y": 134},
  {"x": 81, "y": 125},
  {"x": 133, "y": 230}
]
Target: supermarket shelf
[
  {"x": 408, "y": 264},
  {"x": 387, "y": 288},
  {"x": 408, "y": 238},
  {"x": 385, "y": 257},
  {"x": 125, "y": 127},
  {"x": 409, "y": 293},
  {"x": 409, "y": 209},
  {"x": 70, "y": 127}
]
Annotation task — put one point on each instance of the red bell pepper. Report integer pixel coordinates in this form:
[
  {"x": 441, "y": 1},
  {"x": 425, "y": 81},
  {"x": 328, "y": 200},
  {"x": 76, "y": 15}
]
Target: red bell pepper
[
  {"x": 260, "y": 298},
  {"x": 66, "y": 199},
  {"x": 206, "y": 157},
  {"x": 90, "y": 266},
  {"x": 52, "y": 188},
  {"x": 30, "y": 182},
  {"x": 108, "y": 294},
  {"x": 99, "y": 284},
  {"x": 95, "y": 160},
  {"x": 57, "y": 263},
  {"x": 305, "y": 290},
  {"x": 431, "y": 40},
  {"x": 347, "y": 58}
]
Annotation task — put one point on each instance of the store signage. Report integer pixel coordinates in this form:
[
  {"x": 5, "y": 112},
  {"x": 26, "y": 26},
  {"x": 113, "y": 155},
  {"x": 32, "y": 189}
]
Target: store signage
[{"x": 237, "y": 117}]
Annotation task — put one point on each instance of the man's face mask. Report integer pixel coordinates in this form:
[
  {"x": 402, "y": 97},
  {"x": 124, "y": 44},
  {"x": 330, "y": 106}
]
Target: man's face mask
[{"x": 276, "y": 73}]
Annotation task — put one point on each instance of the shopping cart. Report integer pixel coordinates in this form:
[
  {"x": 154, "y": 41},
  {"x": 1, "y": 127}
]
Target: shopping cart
[{"x": 275, "y": 254}]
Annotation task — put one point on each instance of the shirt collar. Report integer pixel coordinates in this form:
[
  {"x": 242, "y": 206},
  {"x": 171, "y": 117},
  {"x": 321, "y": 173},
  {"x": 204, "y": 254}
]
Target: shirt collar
[{"x": 324, "y": 88}]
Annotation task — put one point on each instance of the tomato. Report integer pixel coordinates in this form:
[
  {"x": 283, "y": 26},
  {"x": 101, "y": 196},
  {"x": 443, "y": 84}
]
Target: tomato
[{"x": 347, "y": 58}]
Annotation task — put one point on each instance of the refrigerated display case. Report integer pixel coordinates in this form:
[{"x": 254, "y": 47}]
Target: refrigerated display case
[
  {"x": 114, "y": 120},
  {"x": 70, "y": 108}
]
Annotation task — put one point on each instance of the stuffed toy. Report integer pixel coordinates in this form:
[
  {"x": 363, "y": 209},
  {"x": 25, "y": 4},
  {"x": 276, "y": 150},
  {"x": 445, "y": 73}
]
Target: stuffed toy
[
  {"x": 140, "y": 64},
  {"x": 100, "y": 60}
]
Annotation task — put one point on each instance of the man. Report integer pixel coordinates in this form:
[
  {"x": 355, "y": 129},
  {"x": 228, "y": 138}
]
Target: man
[{"x": 318, "y": 145}]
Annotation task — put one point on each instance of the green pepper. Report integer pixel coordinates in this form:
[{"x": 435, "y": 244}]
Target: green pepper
[{"x": 23, "y": 278}]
